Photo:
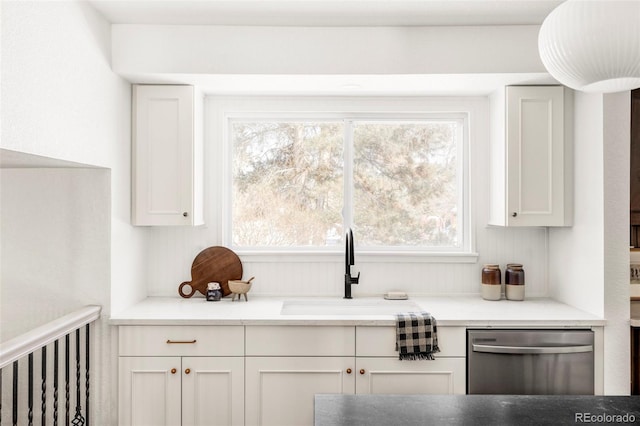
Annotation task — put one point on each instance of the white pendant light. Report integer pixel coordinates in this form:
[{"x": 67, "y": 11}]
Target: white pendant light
[{"x": 593, "y": 45}]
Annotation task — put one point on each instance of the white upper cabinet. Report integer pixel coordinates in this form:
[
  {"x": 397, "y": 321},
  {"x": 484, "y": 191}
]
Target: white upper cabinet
[
  {"x": 167, "y": 169},
  {"x": 531, "y": 156}
]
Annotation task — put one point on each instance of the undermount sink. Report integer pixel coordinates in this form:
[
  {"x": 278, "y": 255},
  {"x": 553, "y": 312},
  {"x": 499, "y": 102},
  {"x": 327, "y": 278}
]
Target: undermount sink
[{"x": 347, "y": 307}]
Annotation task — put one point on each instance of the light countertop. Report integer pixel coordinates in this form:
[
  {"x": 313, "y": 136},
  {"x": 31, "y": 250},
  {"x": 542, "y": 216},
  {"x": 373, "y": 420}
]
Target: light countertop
[{"x": 448, "y": 310}]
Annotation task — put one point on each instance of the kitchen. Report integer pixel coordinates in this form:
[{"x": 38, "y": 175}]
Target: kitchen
[{"x": 66, "y": 93}]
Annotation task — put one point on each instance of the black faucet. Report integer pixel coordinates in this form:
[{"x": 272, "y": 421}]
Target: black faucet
[{"x": 348, "y": 261}]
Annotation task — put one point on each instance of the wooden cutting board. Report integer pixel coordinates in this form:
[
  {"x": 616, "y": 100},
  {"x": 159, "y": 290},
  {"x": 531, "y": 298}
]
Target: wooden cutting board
[{"x": 213, "y": 264}]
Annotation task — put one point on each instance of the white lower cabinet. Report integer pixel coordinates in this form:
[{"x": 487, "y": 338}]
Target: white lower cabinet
[
  {"x": 380, "y": 370},
  {"x": 280, "y": 390},
  {"x": 442, "y": 376},
  {"x": 171, "y": 391},
  {"x": 287, "y": 365},
  {"x": 268, "y": 375},
  {"x": 149, "y": 391},
  {"x": 213, "y": 393},
  {"x": 181, "y": 375}
]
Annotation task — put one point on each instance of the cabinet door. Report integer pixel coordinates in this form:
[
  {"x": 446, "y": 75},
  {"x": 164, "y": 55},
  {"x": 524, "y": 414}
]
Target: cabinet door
[
  {"x": 213, "y": 391},
  {"x": 280, "y": 390},
  {"x": 149, "y": 391},
  {"x": 537, "y": 171},
  {"x": 444, "y": 376},
  {"x": 163, "y": 181}
]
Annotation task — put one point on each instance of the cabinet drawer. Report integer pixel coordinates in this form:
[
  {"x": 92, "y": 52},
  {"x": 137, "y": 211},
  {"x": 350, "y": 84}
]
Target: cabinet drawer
[
  {"x": 300, "y": 341},
  {"x": 381, "y": 341},
  {"x": 181, "y": 340}
]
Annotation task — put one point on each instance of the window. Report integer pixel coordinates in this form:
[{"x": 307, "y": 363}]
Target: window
[
  {"x": 406, "y": 190},
  {"x": 299, "y": 180},
  {"x": 287, "y": 186}
]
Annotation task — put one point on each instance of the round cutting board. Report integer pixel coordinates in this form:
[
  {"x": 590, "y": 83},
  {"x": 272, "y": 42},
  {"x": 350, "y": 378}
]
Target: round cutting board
[{"x": 213, "y": 264}]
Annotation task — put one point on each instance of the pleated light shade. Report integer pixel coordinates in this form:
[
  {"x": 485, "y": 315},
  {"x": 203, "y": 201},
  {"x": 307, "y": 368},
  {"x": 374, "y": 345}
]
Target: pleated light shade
[{"x": 593, "y": 45}]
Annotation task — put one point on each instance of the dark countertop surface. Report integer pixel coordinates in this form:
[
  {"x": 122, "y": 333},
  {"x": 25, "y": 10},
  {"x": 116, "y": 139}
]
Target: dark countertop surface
[{"x": 520, "y": 410}]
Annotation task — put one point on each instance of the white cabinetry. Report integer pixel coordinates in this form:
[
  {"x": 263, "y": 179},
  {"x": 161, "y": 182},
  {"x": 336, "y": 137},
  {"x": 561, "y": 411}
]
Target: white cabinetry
[
  {"x": 268, "y": 374},
  {"x": 286, "y": 366},
  {"x": 213, "y": 391},
  {"x": 173, "y": 375},
  {"x": 380, "y": 371},
  {"x": 442, "y": 376},
  {"x": 280, "y": 390},
  {"x": 149, "y": 391},
  {"x": 167, "y": 169},
  {"x": 531, "y": 156}
]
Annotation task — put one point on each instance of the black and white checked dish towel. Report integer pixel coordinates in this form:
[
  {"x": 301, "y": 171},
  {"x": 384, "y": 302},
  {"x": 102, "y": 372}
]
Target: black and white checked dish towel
[{"x": 416, "y": 336}]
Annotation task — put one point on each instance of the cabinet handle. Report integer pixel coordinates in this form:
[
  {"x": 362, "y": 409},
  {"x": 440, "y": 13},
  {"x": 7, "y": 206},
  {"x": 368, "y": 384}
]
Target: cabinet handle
[
  {"x": 514, "y": 214},
  {"x": 187, "y": 371},
  {"x": 173, "y": 371},
  {"x": 362, "y": 371},
  {"x": 348, "y": 371},
  {"x": 185, "y": 214},
  {"x": 171, "y": 342}
]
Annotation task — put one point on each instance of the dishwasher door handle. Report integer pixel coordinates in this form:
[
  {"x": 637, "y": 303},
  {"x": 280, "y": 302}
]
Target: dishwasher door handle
[{"x": 523, "y": 350}]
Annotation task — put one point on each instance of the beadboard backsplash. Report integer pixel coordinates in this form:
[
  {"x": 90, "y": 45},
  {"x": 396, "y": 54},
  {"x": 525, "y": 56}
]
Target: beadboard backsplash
[{"x": 172, "y": 251}]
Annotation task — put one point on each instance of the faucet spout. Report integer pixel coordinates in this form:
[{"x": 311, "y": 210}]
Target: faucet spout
[{"x": 349, "y": 260}]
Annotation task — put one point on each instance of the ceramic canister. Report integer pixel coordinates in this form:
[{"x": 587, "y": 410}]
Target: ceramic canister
[
  {"x": 491, "y": 282},
  {"x": 514, "y": 282},
  {"x": 491, "y": 274}
]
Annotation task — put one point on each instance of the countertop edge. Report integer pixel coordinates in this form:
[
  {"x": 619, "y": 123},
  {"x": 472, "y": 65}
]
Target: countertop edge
[
  {"x": 359, "y": 322},
  {"x": 450, "y": 311}
]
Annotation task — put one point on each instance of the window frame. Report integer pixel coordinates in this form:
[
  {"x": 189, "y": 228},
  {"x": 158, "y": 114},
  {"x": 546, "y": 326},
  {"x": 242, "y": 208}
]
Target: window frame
[{"x": 226, "y": 110}]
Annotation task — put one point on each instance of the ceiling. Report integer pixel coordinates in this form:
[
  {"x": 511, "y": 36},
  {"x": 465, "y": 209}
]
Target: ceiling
[{"x": 326, "y": 12}]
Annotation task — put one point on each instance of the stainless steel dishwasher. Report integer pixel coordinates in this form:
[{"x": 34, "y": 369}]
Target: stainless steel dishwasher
[{"x": 530, "y": 362}]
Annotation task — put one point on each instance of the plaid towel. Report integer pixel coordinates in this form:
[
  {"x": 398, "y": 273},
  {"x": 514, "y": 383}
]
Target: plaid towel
[{"x": 416, "y": 336}]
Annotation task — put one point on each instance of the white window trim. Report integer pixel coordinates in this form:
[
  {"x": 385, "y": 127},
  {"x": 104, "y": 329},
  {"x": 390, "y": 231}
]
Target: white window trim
[{"x": 221, "y": 109}]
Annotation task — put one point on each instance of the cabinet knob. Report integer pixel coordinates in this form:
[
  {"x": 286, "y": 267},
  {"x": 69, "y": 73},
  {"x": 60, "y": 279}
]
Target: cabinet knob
[
  {"x": 187, "y": 371},
  {"x": 173, "y": 371},
  {"x": 185, "y": 214},
  {"x": 348, "y": 371},
  {"x": 362, "y": 371},
  {"x": 514, "y": 214}
]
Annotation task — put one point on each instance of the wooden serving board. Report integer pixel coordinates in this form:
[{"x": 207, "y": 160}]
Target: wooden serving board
[{"x": 213, "y": 264}]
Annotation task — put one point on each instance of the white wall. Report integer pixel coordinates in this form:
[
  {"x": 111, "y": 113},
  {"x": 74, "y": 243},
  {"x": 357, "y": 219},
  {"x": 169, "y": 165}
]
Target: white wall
[
  {"x": 616, "y": 140},
  {"x": 589, "y": 262},
  {"x": 576, "y": 268},
  {"x": 60, "y": 99},
  {"x": 55, "y": 228},
  {"x": 176, "y": 49}
]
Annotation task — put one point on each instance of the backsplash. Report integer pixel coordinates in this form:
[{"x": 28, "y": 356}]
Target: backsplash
[{"x": 172, "y": 251}]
